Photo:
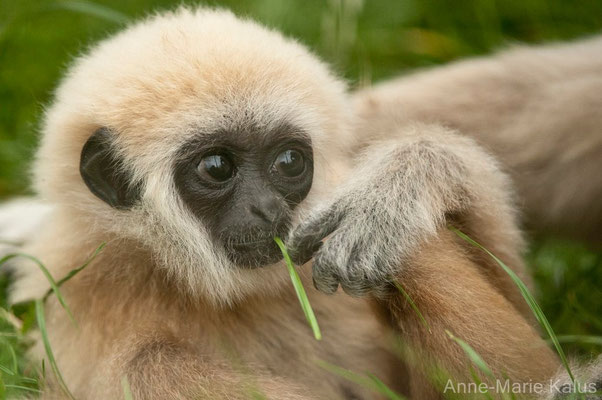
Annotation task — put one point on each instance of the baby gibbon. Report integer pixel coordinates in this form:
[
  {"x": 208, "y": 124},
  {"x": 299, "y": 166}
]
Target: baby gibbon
[{"x": 190, "y": 140}]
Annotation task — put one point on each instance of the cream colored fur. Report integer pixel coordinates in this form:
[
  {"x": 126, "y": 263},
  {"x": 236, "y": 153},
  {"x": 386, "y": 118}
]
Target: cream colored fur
[
  {"x": 165, "y": 81},
  {"x": 536, "y": 108},
  {"x": 20, "y": 219}
]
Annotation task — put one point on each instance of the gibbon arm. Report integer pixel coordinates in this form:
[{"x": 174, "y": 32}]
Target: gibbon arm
[
  {"x": 389, "y": 223},
  {"x": 453, "y": 296},
  {"x": 402, "y": 192}
]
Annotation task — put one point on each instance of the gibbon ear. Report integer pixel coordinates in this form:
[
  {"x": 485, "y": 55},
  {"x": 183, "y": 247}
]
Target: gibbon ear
[{"x": 104, "y": 172}]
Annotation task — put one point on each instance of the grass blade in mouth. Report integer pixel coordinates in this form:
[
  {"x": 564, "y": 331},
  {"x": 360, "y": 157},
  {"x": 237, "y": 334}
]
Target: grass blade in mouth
[{"x": 307, "y": 310}]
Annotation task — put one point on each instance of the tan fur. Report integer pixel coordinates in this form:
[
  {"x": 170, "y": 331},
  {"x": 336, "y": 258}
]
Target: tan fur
[
  {"x": 170, "y": 348},
  {"x": 162, "y": 307},
  {"x": 537, "y": 109},
  {"x": 507, "y": 342}
]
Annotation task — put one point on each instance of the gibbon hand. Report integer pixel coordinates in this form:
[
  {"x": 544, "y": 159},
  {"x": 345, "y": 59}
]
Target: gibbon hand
[
  {"x": 401, "y": 192},
  {"x": 374, "y": 223}
]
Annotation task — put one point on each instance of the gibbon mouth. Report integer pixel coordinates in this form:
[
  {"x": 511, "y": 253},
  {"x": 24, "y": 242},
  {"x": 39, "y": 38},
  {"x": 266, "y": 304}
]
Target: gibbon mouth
[{"x": 253, "y": 253}]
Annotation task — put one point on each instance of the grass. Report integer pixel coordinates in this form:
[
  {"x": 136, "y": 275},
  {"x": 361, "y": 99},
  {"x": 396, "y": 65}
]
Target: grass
[
  {"x": 476, "y": 359},
  {"x": 127, "y": 390},
  {"x": 41, "y": 320},
  {"x": 300, "y": 290},
  {"x": 473, "y": 355},
  {"x": 34, "y": 310},
  {"x": 413, "y": 305},
  {"x": 366, "y": 380},
  {"x": 54, "y": 287}
]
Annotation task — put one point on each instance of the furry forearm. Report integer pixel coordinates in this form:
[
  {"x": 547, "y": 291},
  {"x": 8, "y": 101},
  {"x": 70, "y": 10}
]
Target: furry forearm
[
  {"x": 453, "y": 296},
  {"x": 403, "y": 191},
  {"x": 432, "y": 177}
]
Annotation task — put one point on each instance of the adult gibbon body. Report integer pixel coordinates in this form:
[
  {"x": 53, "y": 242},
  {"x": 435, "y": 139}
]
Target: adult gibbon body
[
  {"x": 537, "y": 109},
  {"x": 190, "y": 140}
]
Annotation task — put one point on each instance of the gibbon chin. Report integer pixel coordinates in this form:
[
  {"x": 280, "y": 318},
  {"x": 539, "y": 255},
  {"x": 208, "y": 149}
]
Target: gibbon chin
[{"x": 187, "y": 143}]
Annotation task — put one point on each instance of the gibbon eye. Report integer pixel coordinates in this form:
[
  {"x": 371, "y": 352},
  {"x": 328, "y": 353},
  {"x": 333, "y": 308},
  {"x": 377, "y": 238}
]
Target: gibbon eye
[
  {"x": 290, "y": 163},
  {"x": 216, "y": 167}
]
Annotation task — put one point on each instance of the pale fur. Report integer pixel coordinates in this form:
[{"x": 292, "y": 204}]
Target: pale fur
[
  {"x": 180, "y": 83},
  {"x": 162, "y": 306},
  {"x": 587, "y": 384},
  {"x": 536, "y": 108},
  {"x": 20, "y": 219}
]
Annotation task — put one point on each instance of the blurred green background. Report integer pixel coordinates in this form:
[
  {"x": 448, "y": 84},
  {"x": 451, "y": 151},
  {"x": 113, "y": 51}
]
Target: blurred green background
[{"x": 364, "y": 40}]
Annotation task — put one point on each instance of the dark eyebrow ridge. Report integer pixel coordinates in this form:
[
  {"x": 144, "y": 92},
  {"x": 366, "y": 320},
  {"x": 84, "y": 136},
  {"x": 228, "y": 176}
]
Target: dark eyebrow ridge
[{"x": 222, "y": 137}]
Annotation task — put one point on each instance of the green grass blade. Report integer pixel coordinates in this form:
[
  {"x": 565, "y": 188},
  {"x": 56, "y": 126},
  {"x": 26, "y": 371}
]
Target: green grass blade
[
  {"x": 53, "y": 286},
  {"x": 8, "y": 317},
  {"x": 384, "y": 389},
  {"x": 24, "y": 388},
  {"x": 27, "y": 379},
  {"x": 539, "y": 315},
  {"x": 478, "y": 381},
  {"x": 307, "y": 310},
  {"x": 75, "y": 271},
  {"x": 413, "y": 305},
  {"x": 6, "y": 370},
  {"x": 473, "y": 355},
  {"x": 370, "y": 381},
  {"x": 93, "y": 9},
  {"x": 510, "y": 395},
  {"x": 585, "y": 339},
  {"x": 49, "y": 354},
  {"x": 127, "y": 390},
  {"x": 13, "y": 357},
  {"x": 480, "y": 363},
  {"x": 347, "y": 374}
]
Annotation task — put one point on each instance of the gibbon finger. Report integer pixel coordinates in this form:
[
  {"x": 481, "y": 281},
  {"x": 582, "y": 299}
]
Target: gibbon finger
[{"x": 306, "y": 239}]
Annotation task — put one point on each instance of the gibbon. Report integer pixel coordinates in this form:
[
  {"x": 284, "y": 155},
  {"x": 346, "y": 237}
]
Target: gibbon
[{"x": 187, "y": 143}]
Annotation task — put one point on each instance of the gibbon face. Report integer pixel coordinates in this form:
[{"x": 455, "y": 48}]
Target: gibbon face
[
  {"x": 201, "y": 136},
  {"x": 244, "y": 186}
]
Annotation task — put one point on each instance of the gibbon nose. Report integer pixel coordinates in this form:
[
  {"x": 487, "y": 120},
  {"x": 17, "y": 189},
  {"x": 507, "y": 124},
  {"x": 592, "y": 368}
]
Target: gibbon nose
[{"x": 268, "y": 208}]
